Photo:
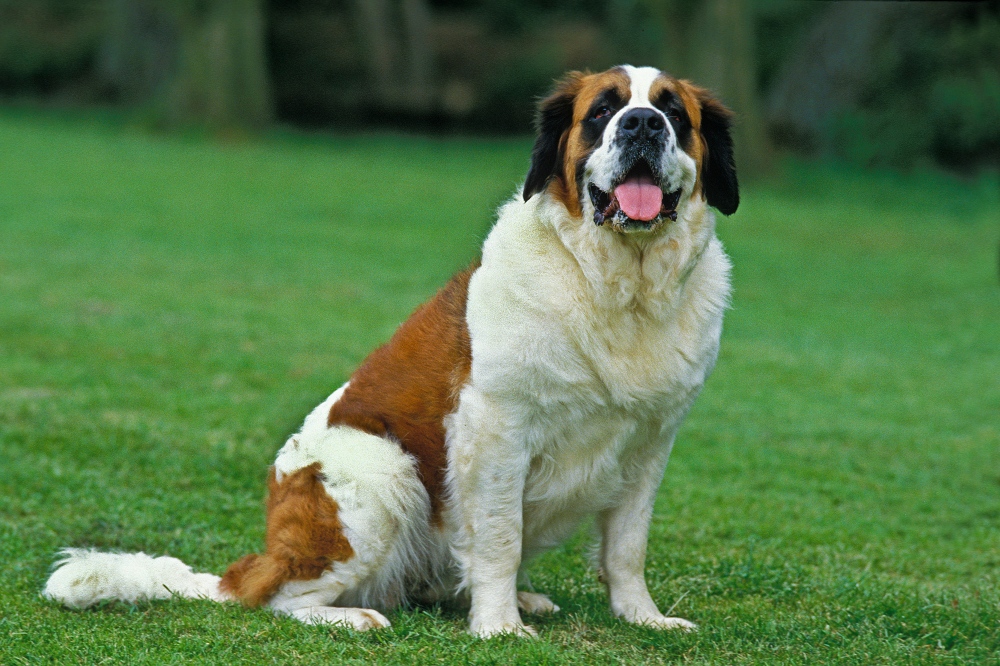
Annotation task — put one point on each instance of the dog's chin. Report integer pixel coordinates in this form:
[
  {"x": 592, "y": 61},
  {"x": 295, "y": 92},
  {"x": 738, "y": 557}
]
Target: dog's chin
[{"x": 624, "y": 224}]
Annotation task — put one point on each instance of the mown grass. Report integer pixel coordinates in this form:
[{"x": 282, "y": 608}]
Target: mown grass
[{"x": 171, "y": 308}]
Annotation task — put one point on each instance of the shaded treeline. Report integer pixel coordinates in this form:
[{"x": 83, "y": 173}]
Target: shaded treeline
[{"x": 876, "y": 82}]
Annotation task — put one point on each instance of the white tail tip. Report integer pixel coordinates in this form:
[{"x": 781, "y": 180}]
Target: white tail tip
[{"x": 86, "y": 577}]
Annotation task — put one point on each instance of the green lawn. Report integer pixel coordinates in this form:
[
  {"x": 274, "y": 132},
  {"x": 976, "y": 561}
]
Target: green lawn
[{"x": 171, "y": 308}]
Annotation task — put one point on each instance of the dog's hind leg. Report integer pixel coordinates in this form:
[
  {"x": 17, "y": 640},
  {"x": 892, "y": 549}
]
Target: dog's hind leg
[
  {"x": 312, "y": 602},
  {"x": 528, "y": 600},
  {"x": 348, "y": 524}
]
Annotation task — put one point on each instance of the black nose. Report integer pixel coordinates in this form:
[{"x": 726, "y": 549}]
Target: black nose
[{"x": 642, "y": 123}]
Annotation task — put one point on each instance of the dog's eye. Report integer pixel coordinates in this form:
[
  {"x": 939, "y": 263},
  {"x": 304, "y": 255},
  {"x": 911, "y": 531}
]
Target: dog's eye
[
  {"x": 602, "y": 112},
  {"x": 675, "y": 115}
]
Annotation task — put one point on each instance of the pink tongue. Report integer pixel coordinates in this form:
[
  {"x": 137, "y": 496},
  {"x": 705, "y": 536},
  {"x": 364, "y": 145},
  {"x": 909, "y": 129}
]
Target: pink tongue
[{"x": 639, "y": 197}]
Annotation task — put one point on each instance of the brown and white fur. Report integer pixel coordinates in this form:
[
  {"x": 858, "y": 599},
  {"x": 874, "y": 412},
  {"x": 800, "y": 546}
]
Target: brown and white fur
[{"x": 539, "y": 387}]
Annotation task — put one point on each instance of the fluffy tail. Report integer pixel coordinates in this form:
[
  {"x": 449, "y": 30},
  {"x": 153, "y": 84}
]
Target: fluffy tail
[{"x": 86, "y": 577}]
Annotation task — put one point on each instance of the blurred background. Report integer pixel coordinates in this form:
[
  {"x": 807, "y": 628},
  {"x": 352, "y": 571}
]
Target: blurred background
[{"x": 873, "y": 83}]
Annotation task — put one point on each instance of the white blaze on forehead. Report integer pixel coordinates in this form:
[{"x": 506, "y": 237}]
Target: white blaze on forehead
[{"x": 640, "y": 81}]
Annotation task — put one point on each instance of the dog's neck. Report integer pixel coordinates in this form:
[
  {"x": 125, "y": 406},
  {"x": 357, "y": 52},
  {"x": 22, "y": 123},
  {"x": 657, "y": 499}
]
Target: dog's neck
[{"x": 640, "y": 273}]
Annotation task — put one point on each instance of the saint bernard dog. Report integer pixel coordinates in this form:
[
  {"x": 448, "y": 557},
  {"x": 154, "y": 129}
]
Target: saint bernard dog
[{"x": 541, "y": 386}]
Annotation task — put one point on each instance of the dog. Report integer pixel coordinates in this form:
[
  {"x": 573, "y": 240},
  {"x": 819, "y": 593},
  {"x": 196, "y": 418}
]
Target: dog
[{"x": 541, "y": 386}]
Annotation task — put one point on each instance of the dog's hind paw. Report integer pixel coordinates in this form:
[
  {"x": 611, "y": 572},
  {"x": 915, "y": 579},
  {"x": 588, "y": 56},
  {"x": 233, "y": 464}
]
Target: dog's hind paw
[
  {"x": 359, "y": 619},
  {"x": 536, "y": 604}
]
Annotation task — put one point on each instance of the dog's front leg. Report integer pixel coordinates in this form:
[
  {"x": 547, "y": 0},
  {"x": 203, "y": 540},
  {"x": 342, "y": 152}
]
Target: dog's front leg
[
  {"x": 487, "y": 486},
  {"x": 624, "y": 533}
]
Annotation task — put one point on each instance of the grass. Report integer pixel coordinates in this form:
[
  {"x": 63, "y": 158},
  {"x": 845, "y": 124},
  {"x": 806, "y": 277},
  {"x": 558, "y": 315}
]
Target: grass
[{"x": 170, "y": 309}]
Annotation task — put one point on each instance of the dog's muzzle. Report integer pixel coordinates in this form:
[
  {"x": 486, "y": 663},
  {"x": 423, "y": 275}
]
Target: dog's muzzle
[{"x": 636, "y": 200}]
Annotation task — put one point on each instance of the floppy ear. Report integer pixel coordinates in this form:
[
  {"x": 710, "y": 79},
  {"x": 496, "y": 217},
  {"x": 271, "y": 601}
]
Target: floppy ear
[
  {"x": 554, "y": 118},
  {"x": 718, "y": 173}
]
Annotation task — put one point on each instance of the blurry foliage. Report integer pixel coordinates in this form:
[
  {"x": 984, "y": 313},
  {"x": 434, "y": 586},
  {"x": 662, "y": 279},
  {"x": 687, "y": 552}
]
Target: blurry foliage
[
  {"x": 46, "y": 44},
  {"x": 779, "y": 25},
  {"x": 932, "y": 93},
  {"x": 492, "y": 60},
  {"x": 517, "y": 16},
  {"x": 927, "y": 90}
]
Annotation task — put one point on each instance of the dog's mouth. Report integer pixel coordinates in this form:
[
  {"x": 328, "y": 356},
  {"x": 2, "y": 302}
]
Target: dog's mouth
[{"x": 635, "y": 202}]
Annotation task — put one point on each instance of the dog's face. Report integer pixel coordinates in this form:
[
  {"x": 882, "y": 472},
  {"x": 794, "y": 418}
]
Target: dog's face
[{"x": 631, "y": 148}]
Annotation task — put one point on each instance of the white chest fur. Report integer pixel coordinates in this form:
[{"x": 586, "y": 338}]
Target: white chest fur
[{"x": 587, "y": 352}]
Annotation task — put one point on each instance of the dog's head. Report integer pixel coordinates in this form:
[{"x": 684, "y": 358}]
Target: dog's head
[{"x": 631, "y": 148}]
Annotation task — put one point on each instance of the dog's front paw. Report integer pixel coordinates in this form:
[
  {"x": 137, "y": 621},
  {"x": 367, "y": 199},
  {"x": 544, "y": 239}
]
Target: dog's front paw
[
  {"x": 537, "y": 604},
  {"x": 490, "y": 629},
  {"x": 664, "y": 622}
]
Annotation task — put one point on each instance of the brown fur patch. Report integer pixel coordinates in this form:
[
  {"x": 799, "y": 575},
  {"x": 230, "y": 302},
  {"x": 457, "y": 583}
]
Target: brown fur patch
[
  {"x": 304, "y": 537},
  {"x": 691, "y": 95},
  {"x": 699, "y": 101},
  {"x": 406, "y": 387}
]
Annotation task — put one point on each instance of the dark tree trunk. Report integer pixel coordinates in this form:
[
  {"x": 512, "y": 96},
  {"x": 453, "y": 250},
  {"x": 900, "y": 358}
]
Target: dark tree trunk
[
  {"x": 395, "y": 37},
  {"x": 711, "y": 42},
  {"x": 191, "y": 62},
  {"x": 723, "y": 59},
  {"x": 221, "y": 74}
]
